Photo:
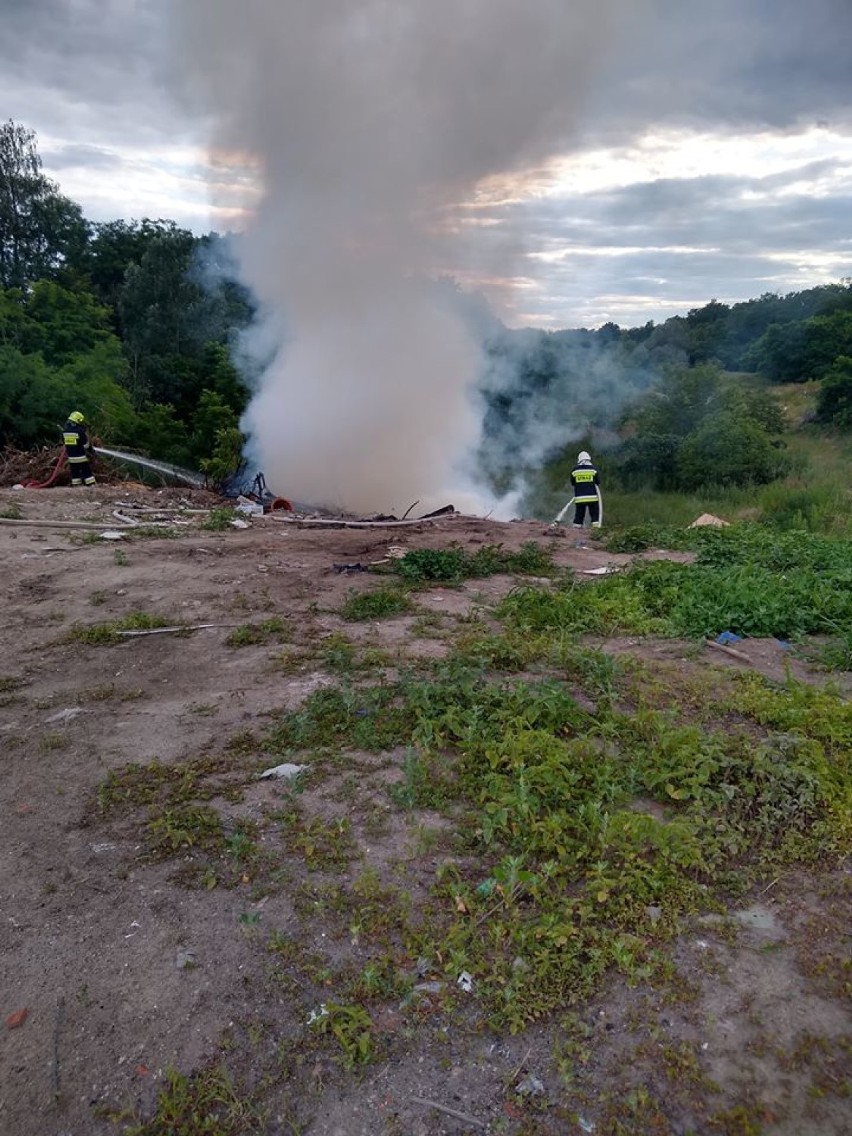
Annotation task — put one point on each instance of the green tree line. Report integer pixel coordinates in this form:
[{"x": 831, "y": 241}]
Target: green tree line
[{"x": 131, "y": 322}]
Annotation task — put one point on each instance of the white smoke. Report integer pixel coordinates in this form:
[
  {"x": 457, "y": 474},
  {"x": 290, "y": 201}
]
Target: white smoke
[{"x": 370, "y": 122}]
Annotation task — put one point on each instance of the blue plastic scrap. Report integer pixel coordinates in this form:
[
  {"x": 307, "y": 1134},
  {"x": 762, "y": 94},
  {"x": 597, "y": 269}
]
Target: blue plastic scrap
[{"x": 728, "y": 637}]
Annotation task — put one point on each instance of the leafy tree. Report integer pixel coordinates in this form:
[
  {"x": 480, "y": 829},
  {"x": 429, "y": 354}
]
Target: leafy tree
[
  {"x": 834, "y": 403},
  {"x": 803, "y": 350},
  {"x": 159, "y": 433},
  {"x": 699, "y": 427},
  {"x": 114, "y": 247},
  {"x": 727, "y": 450},
  {"x": 680, "y": 401},
  {"x": 40, "y": 230},
  {"x": 59, "y": 323}
]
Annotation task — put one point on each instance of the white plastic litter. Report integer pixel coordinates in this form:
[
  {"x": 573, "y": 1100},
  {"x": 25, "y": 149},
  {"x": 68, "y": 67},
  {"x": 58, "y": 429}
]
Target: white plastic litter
[
  {"x": 64, "y": 716},
  {"x": 284, "y": 772}
]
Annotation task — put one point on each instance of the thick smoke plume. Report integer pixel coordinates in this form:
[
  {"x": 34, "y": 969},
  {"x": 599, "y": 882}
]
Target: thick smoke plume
[{"x": 370, "y": 122}]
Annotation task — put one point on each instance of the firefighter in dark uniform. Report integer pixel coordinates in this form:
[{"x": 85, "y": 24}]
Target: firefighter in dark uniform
[
  {"x": 76, "y": 442},
  {"x": 585, "y": 483}
]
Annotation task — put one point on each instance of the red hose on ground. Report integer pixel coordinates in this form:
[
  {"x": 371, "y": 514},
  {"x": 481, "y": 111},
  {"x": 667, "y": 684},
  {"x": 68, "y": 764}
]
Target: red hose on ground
[{"x": 47, "y": 484}]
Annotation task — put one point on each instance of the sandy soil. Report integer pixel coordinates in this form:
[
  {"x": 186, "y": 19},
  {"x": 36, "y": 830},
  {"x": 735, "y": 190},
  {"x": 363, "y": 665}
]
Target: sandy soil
[{"x": 124, "y": 972}]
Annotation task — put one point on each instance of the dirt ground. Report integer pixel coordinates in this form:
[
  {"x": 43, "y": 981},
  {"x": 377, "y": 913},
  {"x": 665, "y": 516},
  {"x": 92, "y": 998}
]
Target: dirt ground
[{"x": 125, "y": 972}]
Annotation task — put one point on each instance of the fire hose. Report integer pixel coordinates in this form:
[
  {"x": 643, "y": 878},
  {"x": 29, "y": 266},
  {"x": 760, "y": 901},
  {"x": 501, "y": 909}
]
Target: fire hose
[
  {"x": 568, "y": 505},
  {"x": 47, "y": 484}
]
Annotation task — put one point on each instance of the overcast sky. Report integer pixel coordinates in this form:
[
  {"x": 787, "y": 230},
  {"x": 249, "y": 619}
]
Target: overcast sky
[{"x": 713, "y": 157}]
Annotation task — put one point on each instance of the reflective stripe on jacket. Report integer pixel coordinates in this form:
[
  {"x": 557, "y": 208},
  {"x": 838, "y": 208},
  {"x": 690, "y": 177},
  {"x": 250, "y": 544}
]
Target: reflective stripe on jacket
[
  {"x": 75, "y": 439},
  {"x": 584, "y": 479}
]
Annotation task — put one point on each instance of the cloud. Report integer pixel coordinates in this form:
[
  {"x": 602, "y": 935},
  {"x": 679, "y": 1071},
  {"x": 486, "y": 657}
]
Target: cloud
[
  {"x": 81, "y": 156},
  {"x": 697, "y": 130}
]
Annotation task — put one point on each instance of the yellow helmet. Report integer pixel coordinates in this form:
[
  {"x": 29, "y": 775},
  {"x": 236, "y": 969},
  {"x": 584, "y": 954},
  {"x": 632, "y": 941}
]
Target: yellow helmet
[{"x": 76, "y": 416}]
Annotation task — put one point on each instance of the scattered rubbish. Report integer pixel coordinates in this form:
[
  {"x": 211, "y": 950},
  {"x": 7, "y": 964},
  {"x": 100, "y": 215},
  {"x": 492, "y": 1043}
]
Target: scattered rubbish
[
  {"x": 454, "y": 1112},
  {"x": 519, "y": 965},
  {"x": 357, "y": 567},
  {"x": 654, "y": 913},
  {"x": 111, "y": 534},
  {"x": 531, "y": 1086},
  {"x": 728, "y": 637},
  {"x": 16, "y": 1020},
  {"x": 607, "y": 570},
  {"x": 429, "y": 987},
  {"x": 248, "y": 507},
  {"x": 284, "y": 772},
  {"x": 317, "y": 1015},
  {"x": 167, "y": 630},
  {"x": 185, "y": 960},
  {"x": 486, "y": 887},
  {"x": 784, "y": 644},
  {"x": 586, "y": 1125},
  {"x": 444, "y": 511},
  {"x": 64, "y": 716},
  {"x": 708, "y": 519},
  {"x": 743, "y": 658},
  {"x": 236, "y": 523},
  {"x": 465, "y": 982},
  {"x": 422, "y": 967},
  {"x": 346, "y": 523}
]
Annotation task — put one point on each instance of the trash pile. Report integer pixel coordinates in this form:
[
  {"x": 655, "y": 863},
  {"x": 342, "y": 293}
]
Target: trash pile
[{"x": 37, "y": 467}]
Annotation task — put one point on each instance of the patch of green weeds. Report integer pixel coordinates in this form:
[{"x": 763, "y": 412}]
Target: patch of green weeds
[
  {"x": 156, "y": 532},
  {"x": 324, "y": 845},
  {"x": 107, "y": 634},
  {"x": 452, "y": 565},
  {"x": 189, "y": 827},
  {"x": 96, "y": 599},
  {"x": 10, "y": 683},
  {"x": 741, "y": 1120},
  {"x": 120, "y": 559},
  {"x": 205, "y": 1104},
  {"x": 219, "y": 519},
  {"x": 639, "y": 538},
  {"x": 748, "y": 580},
  {"x": 108, "y": 692},
  {"x": 256, "y": 634},
  {"x": 177, "y": 820},
  {"x": 833, "y": 655},
  {"x": 379, "y": 604},
  {"x": 428, "y": 781},
  {"x": 339, "y": 654},
  {"x": 352, "y": 1029},
  {"x": 379, "y": 912},
  {"x": 11, "y": 512},
  {"x": 169, "y": 786},
  {"x": 370, "y": 718},
  {"x": 50, "y": 742}
]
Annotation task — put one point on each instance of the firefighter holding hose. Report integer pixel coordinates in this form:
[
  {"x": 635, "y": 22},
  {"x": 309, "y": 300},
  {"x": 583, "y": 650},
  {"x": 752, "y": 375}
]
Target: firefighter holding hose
[
  {"x": 77, "y": 447},
  {"x": 585, "y": 482}
]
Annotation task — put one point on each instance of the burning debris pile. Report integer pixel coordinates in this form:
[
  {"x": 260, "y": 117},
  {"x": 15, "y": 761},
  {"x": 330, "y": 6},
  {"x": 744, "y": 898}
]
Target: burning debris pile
[
  {"x": 22, "y": 467},
  {"x": 47, "y": 466}
]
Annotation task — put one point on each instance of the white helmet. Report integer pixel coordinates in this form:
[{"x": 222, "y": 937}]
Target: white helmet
[{"x": 583, "y": 458}]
